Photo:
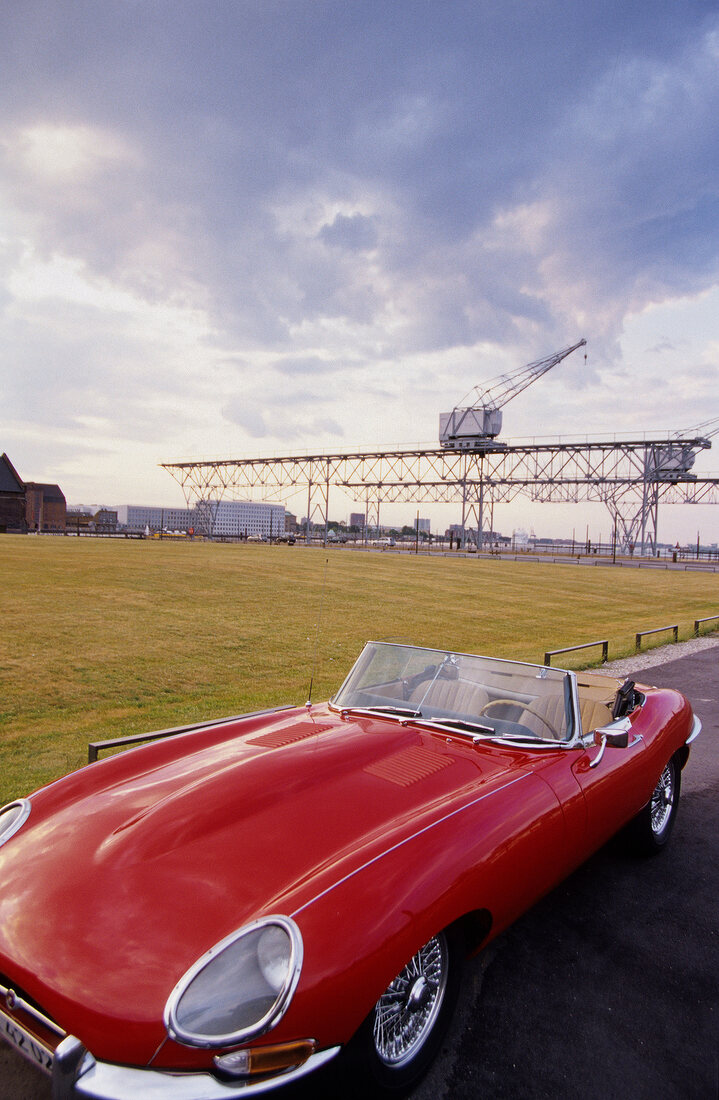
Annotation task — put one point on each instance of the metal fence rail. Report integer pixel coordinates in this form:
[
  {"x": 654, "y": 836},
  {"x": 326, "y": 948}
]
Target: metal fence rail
[
  {"x": 708, "y": 619},
  {"x": 570, "y": 648},
  {"x": 657, "y": 630}
]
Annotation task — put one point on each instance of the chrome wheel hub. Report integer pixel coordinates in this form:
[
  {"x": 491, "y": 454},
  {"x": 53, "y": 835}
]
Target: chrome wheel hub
[
  {"x": 406, "y": 1012},
  {"x": 662, "y": 801}
]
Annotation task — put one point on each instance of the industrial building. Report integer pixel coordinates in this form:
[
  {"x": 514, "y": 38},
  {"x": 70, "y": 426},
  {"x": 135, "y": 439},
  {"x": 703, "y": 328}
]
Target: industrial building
[
  {"x": 216, "y": 518},
  {"x": 236, "y": 518},
  {"x": 137, "y": 517}
]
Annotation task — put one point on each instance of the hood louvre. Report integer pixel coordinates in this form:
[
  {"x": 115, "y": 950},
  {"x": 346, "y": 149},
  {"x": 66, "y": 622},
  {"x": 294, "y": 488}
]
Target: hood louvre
[
  {"x": 409, "y": 766},
  {"x": 276, "y": 739}
]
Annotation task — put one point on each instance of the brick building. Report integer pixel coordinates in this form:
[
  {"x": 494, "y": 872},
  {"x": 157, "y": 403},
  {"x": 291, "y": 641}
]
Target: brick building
[
  {"x": 45, "y": 507},
  {"x": 12, "y": 497}
]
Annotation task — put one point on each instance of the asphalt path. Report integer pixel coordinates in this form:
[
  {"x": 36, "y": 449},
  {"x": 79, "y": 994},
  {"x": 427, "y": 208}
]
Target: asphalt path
[{"x": 608, "y": 987}]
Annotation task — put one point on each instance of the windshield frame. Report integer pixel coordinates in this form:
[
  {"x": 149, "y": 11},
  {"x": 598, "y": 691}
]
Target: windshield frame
[{"x": 404, "y": 714}]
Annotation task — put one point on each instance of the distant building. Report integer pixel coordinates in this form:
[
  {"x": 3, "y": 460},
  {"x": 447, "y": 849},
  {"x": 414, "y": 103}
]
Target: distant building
[
  {"x": 105, "y": 520},
  {"x": 45, "y": 507},
  {"x": 234, "y": 518},
  {"x": 12, "y": 497},
  {"x": 454, "y": 531},
  {"x": 216, "y": 518},
  {"x": 77, "y": 519},
  {"x": 357, "y": 519},
  {"x": 423, "y": 525},
  {"x": 136, "y": 517}
]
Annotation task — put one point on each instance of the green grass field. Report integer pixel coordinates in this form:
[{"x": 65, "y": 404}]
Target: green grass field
[{"x": 102, "y": 638}]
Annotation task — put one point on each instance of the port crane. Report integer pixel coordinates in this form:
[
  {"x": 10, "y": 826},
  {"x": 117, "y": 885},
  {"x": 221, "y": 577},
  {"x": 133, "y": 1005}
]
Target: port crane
[{"x": 473, "y": 426}]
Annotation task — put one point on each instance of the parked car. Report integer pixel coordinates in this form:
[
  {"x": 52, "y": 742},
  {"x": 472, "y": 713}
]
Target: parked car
[{"x": 220, "y": 912}]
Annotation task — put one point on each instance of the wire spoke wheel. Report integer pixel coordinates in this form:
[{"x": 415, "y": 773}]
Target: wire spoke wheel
[
  {"x": 662, "y": 801},
  {"x": 406, "y": 1012},
  {"x": 649, "y": 832}
]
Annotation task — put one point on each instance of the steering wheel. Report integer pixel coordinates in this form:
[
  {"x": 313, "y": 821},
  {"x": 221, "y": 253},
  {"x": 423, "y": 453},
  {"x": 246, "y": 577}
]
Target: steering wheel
[
  {"x": 501, "y": 703},
  {"x": 530, "y": 710},
  {"x": 543, "y": 720}
]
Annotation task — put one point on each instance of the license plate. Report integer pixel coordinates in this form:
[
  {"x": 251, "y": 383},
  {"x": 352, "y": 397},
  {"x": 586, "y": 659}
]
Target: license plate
[{"x": 25, "y": 1043}]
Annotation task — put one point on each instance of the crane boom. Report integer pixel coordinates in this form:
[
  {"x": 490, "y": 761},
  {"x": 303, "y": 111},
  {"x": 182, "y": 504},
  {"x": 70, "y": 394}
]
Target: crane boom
[
  {"x": 473, "y": 425},
  {"x": 700, "y": 429}
]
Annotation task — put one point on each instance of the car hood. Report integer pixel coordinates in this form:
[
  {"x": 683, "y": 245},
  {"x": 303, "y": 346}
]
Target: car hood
[{"x": 147, "y": 859}]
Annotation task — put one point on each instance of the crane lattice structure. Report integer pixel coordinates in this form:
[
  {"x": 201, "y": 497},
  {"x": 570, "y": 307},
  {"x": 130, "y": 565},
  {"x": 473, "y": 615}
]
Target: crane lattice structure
[
  {"x": 472, "y": 426},
  {"x": 631, "y": 477}
]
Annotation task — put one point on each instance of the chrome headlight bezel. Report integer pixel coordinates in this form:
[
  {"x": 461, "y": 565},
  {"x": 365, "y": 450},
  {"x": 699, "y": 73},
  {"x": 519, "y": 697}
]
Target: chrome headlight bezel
[
  {"x": 15, "y": 814},
  {"x": 268, "y": 1019}
]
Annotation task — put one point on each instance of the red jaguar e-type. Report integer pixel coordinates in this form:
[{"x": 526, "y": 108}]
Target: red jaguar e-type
[{"x": 217, "y": 913}]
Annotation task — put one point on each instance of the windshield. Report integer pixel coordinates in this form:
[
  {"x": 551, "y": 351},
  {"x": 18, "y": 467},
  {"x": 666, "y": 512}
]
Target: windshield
[{"x": 504, "y": 698}]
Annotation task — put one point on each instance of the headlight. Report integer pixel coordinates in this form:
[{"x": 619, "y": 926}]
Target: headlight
[
  {"x": 240, "y": 988},
  {"x": 12, "y": 817}
]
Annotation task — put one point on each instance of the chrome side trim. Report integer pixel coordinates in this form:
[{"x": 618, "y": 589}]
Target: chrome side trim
[
  {"x": 696, "y": 730},
  {"x": 408, "y": 839},
  {"x": 103, "y": 1081}
]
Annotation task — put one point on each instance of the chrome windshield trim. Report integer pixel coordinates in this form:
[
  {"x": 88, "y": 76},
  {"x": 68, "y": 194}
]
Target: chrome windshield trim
[
  {"x": 577, "y": 732},
  {"x": 474, "y": 732},
  {"x": 696, "y": 730},
  {"x": 469, "y": 729},
  {"x": 103, "y": 1081},
  {"x": 530, "y": 742},
  {"x": 372, "y": 712},
  {"x": 564, "y": 680}
]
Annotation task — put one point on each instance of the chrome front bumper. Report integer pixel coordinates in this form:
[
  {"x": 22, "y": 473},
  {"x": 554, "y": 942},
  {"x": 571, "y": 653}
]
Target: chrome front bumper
[
  {"x": 101, "y": 1081},
  {"x": 76, "y": 1073}
]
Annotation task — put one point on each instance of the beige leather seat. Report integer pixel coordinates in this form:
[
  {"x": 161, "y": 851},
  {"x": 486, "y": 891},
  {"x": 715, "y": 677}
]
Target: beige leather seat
[
  {"x": 545, "y": 717},
  {"x": 458, "y": 696},
  {"x": 594, "y": 714}
]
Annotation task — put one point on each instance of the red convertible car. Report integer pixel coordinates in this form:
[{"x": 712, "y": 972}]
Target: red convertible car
[{"x": 220, "y": 912}]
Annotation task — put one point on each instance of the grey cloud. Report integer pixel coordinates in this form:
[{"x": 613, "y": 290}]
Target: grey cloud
[
  {"x": 306, "y": 365},
  {"x": 285, "y": 422},
  {"x": 442, "y": 117},
  {"x": 354, "y": 232},
  {"x": 77, "y": 361}
]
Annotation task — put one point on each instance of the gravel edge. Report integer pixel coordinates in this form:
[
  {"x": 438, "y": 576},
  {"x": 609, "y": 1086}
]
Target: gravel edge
[{"x": 659, "y": 656}]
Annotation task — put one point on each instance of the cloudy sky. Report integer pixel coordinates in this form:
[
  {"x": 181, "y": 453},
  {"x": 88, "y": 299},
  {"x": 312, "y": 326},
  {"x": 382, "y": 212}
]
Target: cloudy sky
[{"x": 239, "y": 227}]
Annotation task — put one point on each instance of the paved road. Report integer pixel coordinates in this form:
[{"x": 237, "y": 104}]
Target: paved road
[{"x": 609, "y": 987}]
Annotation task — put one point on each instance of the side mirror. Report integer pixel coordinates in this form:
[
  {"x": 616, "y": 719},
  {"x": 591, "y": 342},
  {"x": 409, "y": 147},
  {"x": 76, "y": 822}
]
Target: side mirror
[{"x": 616, "y": 739}]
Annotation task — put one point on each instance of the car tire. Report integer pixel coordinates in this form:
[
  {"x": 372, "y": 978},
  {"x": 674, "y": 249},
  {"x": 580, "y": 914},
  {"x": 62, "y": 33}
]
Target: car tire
[
  {"x": 650, "y": 830},
  {"x": 400, "y": 1038}
]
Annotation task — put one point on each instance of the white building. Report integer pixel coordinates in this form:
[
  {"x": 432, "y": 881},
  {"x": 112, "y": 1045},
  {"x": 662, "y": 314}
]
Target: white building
[
  {"x": 229, "y": 518},
  {"x": 136, "y": 517},
  {"x": 240, "y": 517}
]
